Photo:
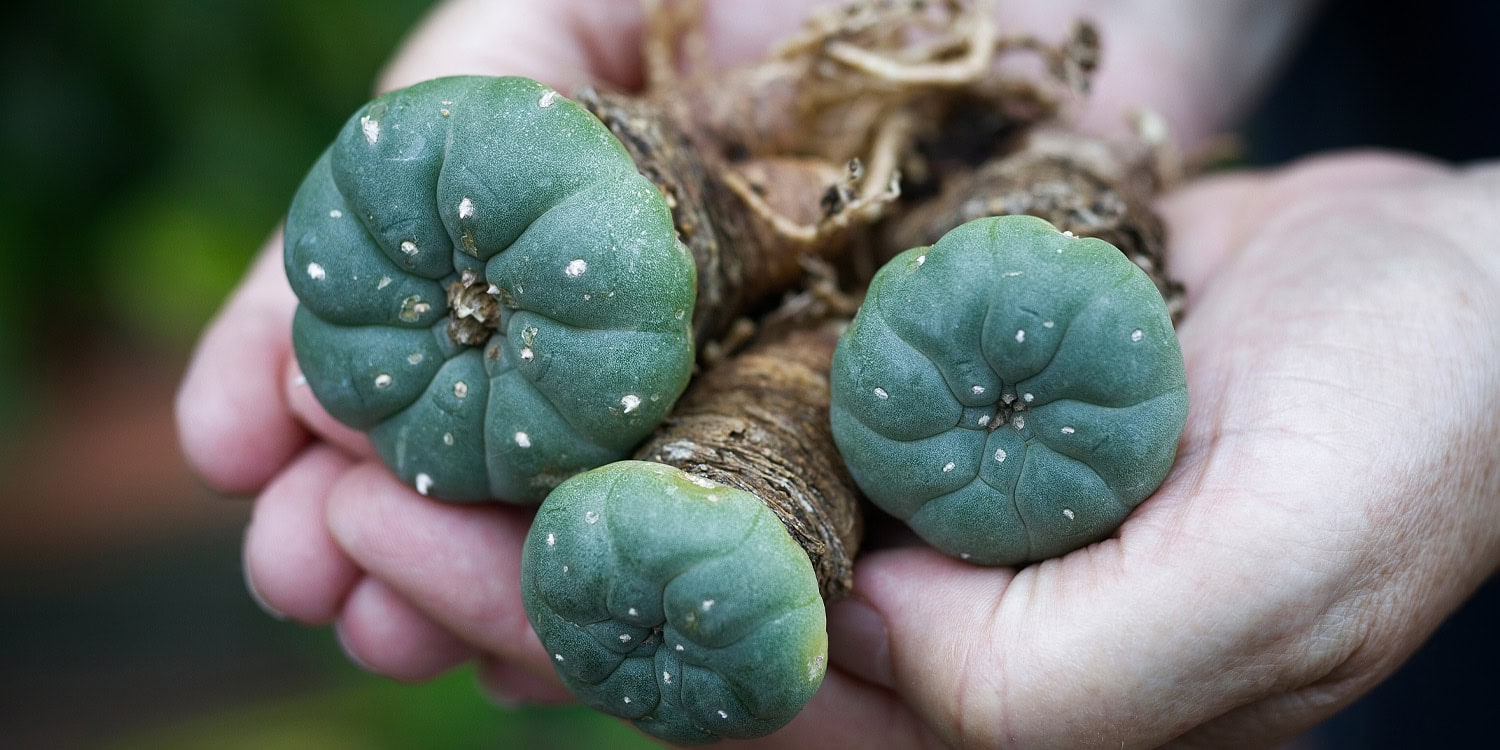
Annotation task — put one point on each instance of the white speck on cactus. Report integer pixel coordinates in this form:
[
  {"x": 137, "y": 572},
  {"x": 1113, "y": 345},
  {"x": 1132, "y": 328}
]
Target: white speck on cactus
[
  {"x": 371, "y": 129},
  {"x": 815, "y": 667}
]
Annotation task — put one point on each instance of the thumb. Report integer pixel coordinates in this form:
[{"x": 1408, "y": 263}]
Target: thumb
[
  {"x": 555, "y": 42},
  {"x": 571, "y": 43}
]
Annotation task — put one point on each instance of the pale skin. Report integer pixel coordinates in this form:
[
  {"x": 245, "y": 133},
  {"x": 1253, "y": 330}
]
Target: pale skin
[{"x": 1336, "y": 494}]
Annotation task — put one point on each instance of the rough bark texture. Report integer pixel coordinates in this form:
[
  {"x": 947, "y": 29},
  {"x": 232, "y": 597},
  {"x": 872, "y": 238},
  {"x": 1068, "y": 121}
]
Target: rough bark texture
[
  {"x": 707, "y": 217},
  {"x": 759, "y": 422},
  {"x": 1079, "y": 184},
  {"x": 742, "y": 258}
]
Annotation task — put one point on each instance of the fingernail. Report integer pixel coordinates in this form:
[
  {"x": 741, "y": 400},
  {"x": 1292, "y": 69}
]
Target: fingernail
[
  {"x": 338, "y": 634},
  {"x": 255, "y": 596},
  {"x": 858, "y": 641},
  {"x": 500, "y": 698}
]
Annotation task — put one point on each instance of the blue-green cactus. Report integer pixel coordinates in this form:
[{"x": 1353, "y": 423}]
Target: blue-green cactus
[
  {"x": 467, "y": 206},
  {"x": 1011, "y": 392},
  {"x": 673, "y": 601}
]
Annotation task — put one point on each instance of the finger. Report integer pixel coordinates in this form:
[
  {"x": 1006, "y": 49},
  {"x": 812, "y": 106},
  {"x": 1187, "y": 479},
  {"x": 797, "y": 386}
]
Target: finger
[
  {"x": 305, "y": 407},
  {"x": 1212, "y": 219},
  {"x": 548, "y": 41},
  {"x": 459, "y": 564},
  {"x": 1086, "y": 650},
  {"x": 874, "y": 635},
  {"x": 1137, "y": 639},
  {"x": 848, "y": 712},
  {"x": 234, "y": 426},
  {"x": 292, "y": 565},
  {"x": 383, "y": 634},
  {"x": 571, "y": 43},
  {"x": 1269, "y": 723},
  {"x": 510, "y": 686},
  {"x": 1206, "y": 226}
]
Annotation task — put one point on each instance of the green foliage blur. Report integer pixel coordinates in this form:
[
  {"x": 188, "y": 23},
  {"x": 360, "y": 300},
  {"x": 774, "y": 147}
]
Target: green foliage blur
[
  {"x": 149, "y": 147},
  {"x": 443, "y": 714}
]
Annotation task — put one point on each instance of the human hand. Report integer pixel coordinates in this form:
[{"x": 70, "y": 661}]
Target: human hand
[
  {"x": 1335, "y": 497},
  {"x": 416, "y": 586},
  {"x": 1317, "y": 527}
]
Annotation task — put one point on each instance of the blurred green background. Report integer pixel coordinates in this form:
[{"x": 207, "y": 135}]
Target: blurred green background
[{"x": 147, "y": 149}]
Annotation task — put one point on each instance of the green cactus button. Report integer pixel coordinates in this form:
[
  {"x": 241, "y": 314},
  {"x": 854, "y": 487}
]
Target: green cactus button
[
  {"x": 676, "y": 602},
  {"x": 488, "y": 287},
  {"x": 1011, "y": 392}
]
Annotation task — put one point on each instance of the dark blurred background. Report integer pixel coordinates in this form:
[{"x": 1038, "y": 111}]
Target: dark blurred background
[{"x": 147, "y": 148}]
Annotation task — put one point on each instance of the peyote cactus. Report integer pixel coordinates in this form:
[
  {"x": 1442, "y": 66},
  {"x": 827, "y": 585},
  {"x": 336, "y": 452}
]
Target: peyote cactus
[
  {"x": 685, "y": 591},
  {"x": 674, "y": 601},
  {"x": 488, "y": 287},
  {"x": 1011, "y": 392}
]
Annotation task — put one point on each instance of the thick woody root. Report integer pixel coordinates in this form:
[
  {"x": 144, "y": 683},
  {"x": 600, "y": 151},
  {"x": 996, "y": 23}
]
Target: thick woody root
[
  {"x": 747, "y": 231},
  {"x": 829, "y": 91},
  {"x": 1084, "y": 185},
  {"x": 976, "y": 123},
  {"x": 768, "y": 165},
  {"x": 759, "y": 422}
]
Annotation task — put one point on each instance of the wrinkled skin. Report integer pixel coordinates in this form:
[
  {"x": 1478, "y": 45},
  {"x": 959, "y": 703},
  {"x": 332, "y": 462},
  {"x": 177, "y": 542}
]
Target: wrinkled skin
[{"x": 1336, "y": 494}]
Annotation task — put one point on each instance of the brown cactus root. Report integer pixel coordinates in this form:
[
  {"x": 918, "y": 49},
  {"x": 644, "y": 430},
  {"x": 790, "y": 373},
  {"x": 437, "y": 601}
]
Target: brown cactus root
[
  {"x": 759, "y": 422},
  {"x": 768, "y": 164},
  {"x": 744, "y": 252},
  {"x": 1085, "y": 185}
]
